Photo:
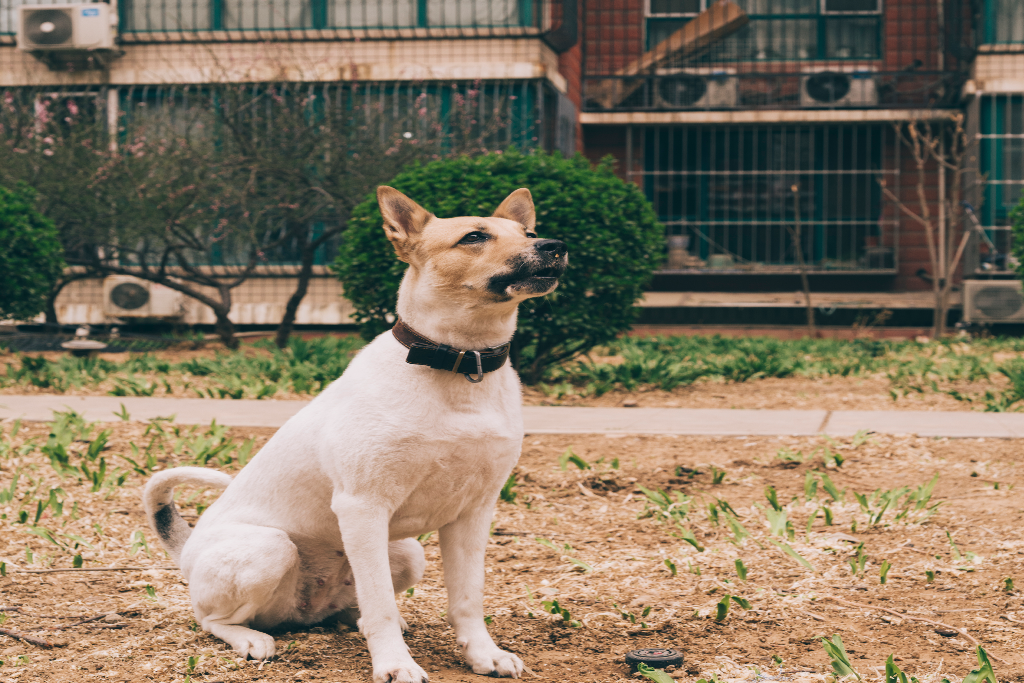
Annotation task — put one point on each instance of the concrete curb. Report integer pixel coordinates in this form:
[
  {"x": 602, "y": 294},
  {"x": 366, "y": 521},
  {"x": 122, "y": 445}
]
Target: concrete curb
[{"x": 553, "y": 420}]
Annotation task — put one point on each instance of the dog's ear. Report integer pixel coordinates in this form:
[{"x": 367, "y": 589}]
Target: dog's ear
[
  {"x": 518, "y": 207},
  {"x": 403, "y": 218}
]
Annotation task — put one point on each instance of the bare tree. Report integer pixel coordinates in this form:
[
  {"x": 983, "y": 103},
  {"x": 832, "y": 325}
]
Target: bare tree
[
  {"x": 199, "y": 189},
  {"x": 322, "y": 148},
  {"x": 795, "y": 235},
  {"x": 942, "y": 148}
]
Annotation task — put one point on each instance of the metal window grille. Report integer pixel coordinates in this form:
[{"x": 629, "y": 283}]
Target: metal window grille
[
  {"x": 138, "y": 19},
  {"x": 1003, "y": 22},
  {"x": 732, "y": 197},
  {"x": 665, "y": 55},
  {"x": 445, "y": 118},
  {"x": 1001, "y": 164}
]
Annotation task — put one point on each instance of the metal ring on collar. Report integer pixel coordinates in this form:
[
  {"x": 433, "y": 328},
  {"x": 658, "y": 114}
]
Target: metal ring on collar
[{"x": 479, "y": 368}]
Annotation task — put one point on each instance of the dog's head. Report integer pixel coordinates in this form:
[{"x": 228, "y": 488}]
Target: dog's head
[{"x": 497, "y": 259}]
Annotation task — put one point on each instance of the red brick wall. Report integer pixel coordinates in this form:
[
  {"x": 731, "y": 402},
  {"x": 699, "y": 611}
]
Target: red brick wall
[
  {"x": 913, "y": 242},
  {"x": 612, "y": 34},
  {"x": 570, "y": 65}
]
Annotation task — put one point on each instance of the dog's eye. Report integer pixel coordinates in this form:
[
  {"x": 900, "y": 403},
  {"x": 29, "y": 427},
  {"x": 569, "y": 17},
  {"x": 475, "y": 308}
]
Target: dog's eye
[
  {"x": 473, "y": 238},
  {"x": 532, "y": 235}
]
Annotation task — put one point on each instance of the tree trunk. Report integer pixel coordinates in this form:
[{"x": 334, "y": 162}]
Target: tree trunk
[
  {"x": 795, "y": 234},
  {"x": 284, "y": 330},
  {"x": 225, "y": 329},
  {"x": 51, "y": 300},
  {"x": 51, "y": 308},
  {"x": 939, "y": 327}
]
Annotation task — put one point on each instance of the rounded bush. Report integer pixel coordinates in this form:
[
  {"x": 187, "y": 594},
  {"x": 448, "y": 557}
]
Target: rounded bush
[
  {"x": 614, "y": 238},
  {"x": 31, "y": 259}
]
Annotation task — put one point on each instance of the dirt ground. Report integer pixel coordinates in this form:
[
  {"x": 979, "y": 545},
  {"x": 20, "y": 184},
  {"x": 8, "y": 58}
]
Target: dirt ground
[
  {"x": 793, "y": 393},
  {"x": 586, "y": 536}
]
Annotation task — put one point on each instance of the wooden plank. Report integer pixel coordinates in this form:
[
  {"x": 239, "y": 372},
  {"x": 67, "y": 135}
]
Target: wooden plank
[{"x": 710, "y": 26}]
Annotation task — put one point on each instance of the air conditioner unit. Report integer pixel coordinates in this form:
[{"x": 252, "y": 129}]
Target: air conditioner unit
[
  {"x": 838, "y": 89},
  {"x": 697, "y": 90},
  {"x": 66, "y": 28},
  {"x": 129, "y": 297},
  {"x": 993, "y": 301}
]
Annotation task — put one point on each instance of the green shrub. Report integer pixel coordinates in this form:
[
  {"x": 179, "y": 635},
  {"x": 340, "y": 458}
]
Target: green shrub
[
  {"x": 613, "y": 235},
  {"x": 31, "y": 258}
]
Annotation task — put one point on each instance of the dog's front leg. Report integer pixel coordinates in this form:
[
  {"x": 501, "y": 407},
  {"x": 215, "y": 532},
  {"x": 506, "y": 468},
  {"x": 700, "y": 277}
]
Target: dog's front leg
[
  {"x": 463, "y": 544},
  {"x": 364, "y": 532}
]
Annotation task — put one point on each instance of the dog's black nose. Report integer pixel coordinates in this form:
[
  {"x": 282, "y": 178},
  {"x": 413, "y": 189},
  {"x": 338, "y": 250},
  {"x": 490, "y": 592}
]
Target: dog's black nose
[{"x": 556, "y": 248}]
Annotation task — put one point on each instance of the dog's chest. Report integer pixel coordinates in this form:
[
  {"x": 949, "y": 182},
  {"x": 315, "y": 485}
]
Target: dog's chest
[{"x": 457, "y": 465}]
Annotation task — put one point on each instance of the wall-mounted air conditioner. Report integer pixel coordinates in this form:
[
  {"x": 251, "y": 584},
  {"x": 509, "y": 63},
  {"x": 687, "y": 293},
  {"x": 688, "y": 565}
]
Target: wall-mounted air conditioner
[
  {"x": 697, "y": 89},
  {"x": 838, "y": 89},
  {"x": 66, "y": 28},
  {"x": 993, "y": 301},
  {"x": 129, "y": 297}
]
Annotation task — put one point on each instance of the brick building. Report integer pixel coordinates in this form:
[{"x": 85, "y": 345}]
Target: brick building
[{"x": 739, "y": 119}]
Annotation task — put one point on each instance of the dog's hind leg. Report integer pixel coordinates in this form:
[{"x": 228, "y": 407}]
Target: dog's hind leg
[{"x": 239, "y": 575}]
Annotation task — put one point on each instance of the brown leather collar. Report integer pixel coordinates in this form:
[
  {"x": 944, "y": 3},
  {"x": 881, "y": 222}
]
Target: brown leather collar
[{"x": 473, "y": 364}]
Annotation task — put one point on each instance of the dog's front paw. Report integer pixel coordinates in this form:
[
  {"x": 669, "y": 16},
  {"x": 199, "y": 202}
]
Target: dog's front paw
[
  {"x": 255, "y": 645},
  {"x": 493, "y": 661},
  {"x": 399, "y": 671}
]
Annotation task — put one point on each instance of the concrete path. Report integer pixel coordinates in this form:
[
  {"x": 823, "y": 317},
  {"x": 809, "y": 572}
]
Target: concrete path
[{"x": 553, "y": 420}]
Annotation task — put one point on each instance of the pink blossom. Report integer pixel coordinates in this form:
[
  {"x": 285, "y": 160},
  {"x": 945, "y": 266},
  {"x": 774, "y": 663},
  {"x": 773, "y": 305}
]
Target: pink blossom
[
  {"x": 42, "y": 111},
  {"x": 48, "y": 152}
]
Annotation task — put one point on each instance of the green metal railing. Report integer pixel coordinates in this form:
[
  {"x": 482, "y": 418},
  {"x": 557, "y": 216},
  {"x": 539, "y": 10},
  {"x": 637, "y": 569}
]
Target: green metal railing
[{"x": 139, "y": 18}]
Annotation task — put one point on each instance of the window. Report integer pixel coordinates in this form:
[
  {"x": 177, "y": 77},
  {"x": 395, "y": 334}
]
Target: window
[
  {"x": 1003, "y": 22},
  {"x": 206, "y": 15},
  {"x": 782, "y": 29},
  {"x": 727, "y": 192},
  {"x": 1002, "y": 165}
]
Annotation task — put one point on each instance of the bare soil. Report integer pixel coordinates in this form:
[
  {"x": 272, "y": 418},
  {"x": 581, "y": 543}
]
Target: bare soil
[
  {"x": 793, "y": 393},
  {"x": 599, "y": 513}
]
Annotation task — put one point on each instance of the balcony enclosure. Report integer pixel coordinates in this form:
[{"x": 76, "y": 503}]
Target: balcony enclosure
[
  {"x": 733, "y": 197},
  {"x": 1001, "y": 164},
  {"x": 441, "y": 119},
  {"x": 671, "y": 55},
  {"x": 145, "y": 20},
  {"x": 1003, "y": 22}
]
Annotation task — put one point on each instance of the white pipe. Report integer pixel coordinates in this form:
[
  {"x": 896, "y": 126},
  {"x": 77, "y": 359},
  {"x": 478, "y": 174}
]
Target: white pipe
[{"x": 113, "y": 109}]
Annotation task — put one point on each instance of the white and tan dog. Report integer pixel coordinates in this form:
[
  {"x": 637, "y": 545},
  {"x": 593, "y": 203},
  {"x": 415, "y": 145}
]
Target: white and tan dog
[{"x": 323, "y": 520}]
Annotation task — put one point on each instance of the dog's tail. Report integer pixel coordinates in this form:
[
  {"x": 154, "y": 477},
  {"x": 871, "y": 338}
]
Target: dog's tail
[{"x": 158, "y": 500}]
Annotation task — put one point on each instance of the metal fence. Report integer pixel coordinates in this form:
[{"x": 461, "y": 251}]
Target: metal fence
[
  {"x": 145, "y": 20},
  {"x": 740, "y": 199},
  {"x": 664, "y": 55},
  {"x": 1001, "y": 165},
  {"x": 439, "y": 119},
  {"x": 1003, "y": 22}
]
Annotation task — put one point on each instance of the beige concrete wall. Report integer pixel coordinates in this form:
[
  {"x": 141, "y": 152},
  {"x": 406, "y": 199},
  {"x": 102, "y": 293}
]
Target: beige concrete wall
[
  {"x": 314, "y": 61},
  {"x": 999, "y": 73},
  {"x": 257, "y": 301}
]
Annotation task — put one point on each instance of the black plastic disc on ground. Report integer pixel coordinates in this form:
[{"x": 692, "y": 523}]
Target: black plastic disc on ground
[{"x": 654, "y": 657}]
